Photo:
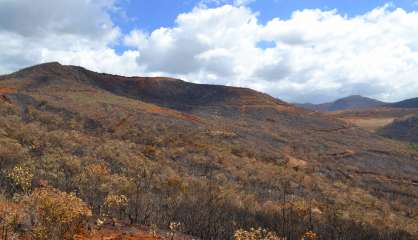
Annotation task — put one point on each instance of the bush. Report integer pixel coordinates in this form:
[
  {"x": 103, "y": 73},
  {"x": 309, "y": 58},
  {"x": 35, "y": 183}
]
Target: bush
[
  {"x": 256, "y": 234},
  {"x": 55, "y": 215},
  {"x": 21, "y": 177},
  {"x": 11, "y": 217},
  {"x": 116, "y": 204}
]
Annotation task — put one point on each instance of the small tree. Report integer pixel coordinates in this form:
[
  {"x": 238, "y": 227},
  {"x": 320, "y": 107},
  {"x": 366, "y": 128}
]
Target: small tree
[
  {"x": 116, "y": 204},
  {"x": 94, "y": 185},
  {"x": 174, "y": 228}
]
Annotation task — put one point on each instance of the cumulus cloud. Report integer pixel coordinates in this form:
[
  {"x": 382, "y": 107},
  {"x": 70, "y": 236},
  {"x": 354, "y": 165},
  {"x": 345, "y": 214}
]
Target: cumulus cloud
[
  {"x": 317, "y": 56},
  {"x": 206, "y": 45},
  {"x": 374, "y": 54},
  {"x": 85, "y": 18},
  {"x": 70, "y": 31}
]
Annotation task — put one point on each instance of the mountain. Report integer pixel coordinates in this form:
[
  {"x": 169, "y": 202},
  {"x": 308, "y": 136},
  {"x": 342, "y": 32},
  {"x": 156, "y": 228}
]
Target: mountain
[
  {"x": 354, "y": 102},
  {"x": 390, "y": 119},
  {"x": 409, "y": 103},
  {"x": 213, "y": 158}
]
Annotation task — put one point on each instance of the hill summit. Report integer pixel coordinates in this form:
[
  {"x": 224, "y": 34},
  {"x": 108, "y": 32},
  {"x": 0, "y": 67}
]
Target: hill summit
[{"x": 353, "y": 102}]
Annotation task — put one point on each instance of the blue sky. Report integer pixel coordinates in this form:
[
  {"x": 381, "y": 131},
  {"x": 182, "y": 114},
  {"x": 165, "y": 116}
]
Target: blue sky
[
  {"x": 295, "y": 50},
  {"x": 152, "y": 14}
]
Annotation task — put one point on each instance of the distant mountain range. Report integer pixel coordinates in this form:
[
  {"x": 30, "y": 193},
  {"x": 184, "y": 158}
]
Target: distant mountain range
[
  {"x": 357, "y": 102},
  {"x": 398, "y": 120},
  {"x": 409, "y": 103},
  {"x": 347, "y": 103}
]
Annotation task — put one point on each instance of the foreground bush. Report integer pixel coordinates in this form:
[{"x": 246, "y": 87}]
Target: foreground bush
[
  {"x": 11, "y": 217},
  {"x": 256, "y": 234},
  {"x": 55, "y": 215}
]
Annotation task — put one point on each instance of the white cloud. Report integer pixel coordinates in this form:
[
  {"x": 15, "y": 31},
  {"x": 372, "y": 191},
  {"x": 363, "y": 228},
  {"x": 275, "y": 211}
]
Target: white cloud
[
  {"x": 316, "y": 56},
  {"x": 136, "y": 38},
  {"x": 374, "y": 54},
  {"x": 70, "y": 31},
  {"x": 26, "y": 18},
  {"x": 207, "y": 43},
  {"x": 319, "y": 55}
]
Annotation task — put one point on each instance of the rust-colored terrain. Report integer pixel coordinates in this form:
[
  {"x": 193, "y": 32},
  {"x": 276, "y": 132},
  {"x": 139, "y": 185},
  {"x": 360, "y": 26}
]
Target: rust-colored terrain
[
  {"x": 123, "y": 232},
  {"x": 258, "y": 152},
  {"x": 373, "y": 119},
  {"x": 6, "y": 90}
]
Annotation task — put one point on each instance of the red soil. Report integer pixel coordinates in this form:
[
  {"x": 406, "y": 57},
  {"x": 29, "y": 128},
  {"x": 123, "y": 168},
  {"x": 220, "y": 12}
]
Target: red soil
[
  {"x": 123, "y": 231},
  {"x": 6, "y": 90}
]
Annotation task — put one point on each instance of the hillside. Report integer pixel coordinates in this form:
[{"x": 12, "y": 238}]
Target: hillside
[
  {"x": 373, "y": 119},
  {"x": 405, "y": 129},
  {"x": 393, "y": 120},
  {"x": 212, "y": 158},
  {"x": 354, "y": 102},
  {"x": 408, "y": 103}
]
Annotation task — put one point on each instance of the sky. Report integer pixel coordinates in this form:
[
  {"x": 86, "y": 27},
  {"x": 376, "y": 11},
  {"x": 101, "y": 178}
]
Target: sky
[{"x": 296, "y": 50}]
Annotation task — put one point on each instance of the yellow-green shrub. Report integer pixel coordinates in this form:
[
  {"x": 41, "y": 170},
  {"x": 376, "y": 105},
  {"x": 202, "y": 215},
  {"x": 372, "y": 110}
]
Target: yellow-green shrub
[{"x": 55, "y": 215}]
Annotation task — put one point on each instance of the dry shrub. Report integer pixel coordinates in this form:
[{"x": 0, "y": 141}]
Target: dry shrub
[
  {"x": 11, "y": 217},
  {"x": 256, "y": 234},
  {"x": 55, "y": 215},
  {"x": 22, "y": 177},
  {"x": 310, "y": 235},
  {"x": 115, "y": 204}
]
